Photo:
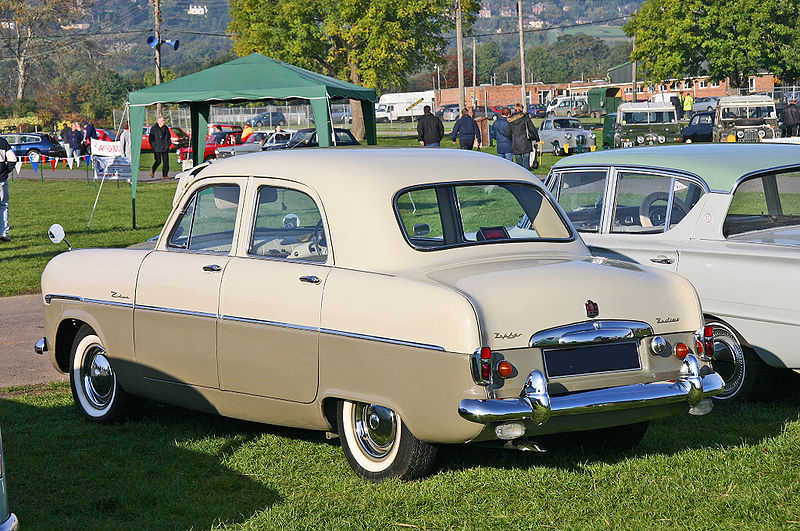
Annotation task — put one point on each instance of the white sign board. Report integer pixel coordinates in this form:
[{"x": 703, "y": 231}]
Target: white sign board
[{"x": 101, "y": 148}]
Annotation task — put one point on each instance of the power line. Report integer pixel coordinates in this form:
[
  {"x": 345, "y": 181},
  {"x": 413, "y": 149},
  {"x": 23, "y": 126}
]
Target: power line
[{"x": 551, "y": 28}]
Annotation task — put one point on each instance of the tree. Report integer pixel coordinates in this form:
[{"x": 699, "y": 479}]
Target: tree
[
  {"x": 28, "y": 27},
  {"x": 725, "y": 39},
  {"x": 374, "y": 43},
  {"x": 490, "y": 56}
]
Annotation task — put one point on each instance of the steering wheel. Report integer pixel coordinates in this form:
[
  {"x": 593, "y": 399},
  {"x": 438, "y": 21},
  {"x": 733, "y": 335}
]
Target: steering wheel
[
  {"x": 318, "y": 239},
  {"x": 650, "y": 215}
]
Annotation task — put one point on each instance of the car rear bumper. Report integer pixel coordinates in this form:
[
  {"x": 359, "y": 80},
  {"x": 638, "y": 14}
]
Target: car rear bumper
[
  {"x": 12, "y": 524},
  {"x": 536, "y": 405}
]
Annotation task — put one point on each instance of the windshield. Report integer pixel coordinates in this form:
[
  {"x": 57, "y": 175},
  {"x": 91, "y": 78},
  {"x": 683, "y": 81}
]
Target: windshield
[
  {"x": 742, "y": 111},
  {"x": 643, "y": 117},
  {"x": 764, "y": 202},
  {"x": 301, "y": 136},
  {"x": 448, "y": 215},
  {"x": 567, "y": 123},
  {"x": 256, "y": 138}
]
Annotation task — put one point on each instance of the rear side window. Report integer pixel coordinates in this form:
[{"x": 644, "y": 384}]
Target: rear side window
[
  {"x": 477, "y": 213},
  {"x": 580, "y": 194},
  {"x": 764, "y": 202}
]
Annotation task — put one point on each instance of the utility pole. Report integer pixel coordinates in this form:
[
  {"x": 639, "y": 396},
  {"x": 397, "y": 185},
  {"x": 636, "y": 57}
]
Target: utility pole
[
  {"x": 460, "y": 48},
  {"x": 474, "y": 72},
  {"x": 633, "y": 72},
  {"x": 157, "y": 48},
  {"x": 521, "y": 53}
]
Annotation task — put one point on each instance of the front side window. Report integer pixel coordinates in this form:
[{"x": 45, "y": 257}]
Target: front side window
[
  {"x": 208, "y": 220},
  {"x": 764, "y": 202},
  {"x": 580, "y": 194},
  {"x": 288, "y": 225},
  {"x": 646, "y": 201},
  {"x": 450, "y": 215}
]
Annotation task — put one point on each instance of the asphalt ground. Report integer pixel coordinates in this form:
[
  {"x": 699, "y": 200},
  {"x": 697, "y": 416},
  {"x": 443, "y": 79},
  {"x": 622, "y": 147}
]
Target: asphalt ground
[{"x": 21, "y": 325}]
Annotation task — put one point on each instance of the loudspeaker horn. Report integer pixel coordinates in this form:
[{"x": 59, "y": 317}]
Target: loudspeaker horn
[
  {"x": 174, "y": 44},
  {"x": 152, "y": 42}
]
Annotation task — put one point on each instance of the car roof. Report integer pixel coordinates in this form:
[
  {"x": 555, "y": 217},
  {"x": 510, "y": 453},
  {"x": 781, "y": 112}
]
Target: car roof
[
  {"x": 745, "y": 99},
  {"x": 720, "y": 165},
  {"x": 645, "y": 106}
]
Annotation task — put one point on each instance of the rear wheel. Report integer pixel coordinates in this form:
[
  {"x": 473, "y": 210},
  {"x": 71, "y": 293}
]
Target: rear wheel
[
  {"x": 34, "y": 155},
  {"x": 95, "y": 389},
  {"x": 739, "y": 367},
  {"x": 556, "y": 149},
  {"x": 378, "y": 445}
]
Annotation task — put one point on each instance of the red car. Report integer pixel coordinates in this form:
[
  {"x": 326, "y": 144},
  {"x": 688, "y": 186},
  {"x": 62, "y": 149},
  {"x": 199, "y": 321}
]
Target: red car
[
  {"x": 214, "y": 141},
  {"x": 179, "y": 138}
]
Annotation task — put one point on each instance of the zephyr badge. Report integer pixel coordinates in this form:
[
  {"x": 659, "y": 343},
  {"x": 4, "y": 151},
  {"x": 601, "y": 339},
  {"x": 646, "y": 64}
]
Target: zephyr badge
[{"x": 591, "y": 309}]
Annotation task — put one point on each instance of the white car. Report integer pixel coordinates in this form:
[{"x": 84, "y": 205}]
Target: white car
[{"x": 725, "y": 216}]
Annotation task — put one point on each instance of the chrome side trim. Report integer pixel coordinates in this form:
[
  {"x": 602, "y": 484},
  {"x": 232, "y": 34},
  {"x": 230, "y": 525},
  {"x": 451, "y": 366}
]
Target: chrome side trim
[
  {"x": 590, "y": 332},
  {"x": 269, "y": 323},
  {"x": 381, "y": 339},
  {"x": 109, "y": 303},
  {"x": 50, "y": 296},
  {"x": 174, "y": 310}
]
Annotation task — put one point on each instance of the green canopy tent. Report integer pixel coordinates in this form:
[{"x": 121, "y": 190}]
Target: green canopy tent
[{"x": 251, "y": 78}]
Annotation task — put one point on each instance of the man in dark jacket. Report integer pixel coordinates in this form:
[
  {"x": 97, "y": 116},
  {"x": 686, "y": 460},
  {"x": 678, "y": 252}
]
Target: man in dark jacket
[
  {"x": 7, "y": 163},
  {"x": 74, "y": 141},
  {"x": 466, "y": 130},
  {"x": 791, "y": 118},
  {"x": 89, "y": 132},
  {"x": 430, "y": 129},
  {"x": 523, "y": 134},
  {"x": 160, "y": 142},
  {"x": 498, "y": 132}
]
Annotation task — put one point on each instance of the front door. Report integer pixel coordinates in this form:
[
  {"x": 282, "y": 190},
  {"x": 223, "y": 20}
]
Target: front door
[{"x": 177, "y": 292}]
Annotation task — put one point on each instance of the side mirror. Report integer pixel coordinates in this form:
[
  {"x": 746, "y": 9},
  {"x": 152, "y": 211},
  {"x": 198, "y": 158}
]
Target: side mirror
[{"x": 57, "y": 235}]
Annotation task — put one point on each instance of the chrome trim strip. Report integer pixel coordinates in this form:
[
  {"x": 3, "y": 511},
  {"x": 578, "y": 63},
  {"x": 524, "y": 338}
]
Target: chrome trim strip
[
  {"x": 269, "y": 323},
  {"x": 50, "y": 296},
  {"x": 109, "y": 303},
  {"x": 590, "y": 332},
  {"x": 175, "y": 310},
  {"x": 381, "y": 339},
  {"x": 765, "y": 171}
]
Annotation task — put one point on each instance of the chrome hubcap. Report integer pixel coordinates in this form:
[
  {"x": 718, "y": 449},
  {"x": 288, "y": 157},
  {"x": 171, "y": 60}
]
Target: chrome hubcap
[
  {"x": 98, "y": 377},
  {"x": 376, "y": 429},
  {"x": 728, "y": 361}
]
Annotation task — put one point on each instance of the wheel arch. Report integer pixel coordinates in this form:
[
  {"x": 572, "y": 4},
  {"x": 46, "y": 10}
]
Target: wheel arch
[{"x": 65, "y": 335}]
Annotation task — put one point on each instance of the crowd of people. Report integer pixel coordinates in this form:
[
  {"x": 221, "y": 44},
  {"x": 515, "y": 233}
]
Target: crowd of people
[{"x": 515, "y": 134}]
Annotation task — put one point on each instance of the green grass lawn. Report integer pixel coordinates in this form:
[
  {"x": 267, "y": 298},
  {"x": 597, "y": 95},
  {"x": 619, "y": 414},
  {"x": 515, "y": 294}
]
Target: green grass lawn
[{"x": 736, "y": 468}]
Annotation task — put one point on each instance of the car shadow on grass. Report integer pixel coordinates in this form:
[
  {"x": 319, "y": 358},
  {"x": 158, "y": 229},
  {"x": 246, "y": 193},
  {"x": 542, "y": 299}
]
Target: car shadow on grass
[
  {"x": 163, "y": 471},
  {"x": 729, "y": 425}
]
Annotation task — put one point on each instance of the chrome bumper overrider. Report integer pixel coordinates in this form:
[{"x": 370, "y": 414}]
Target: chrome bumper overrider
[
  {"x": 535, "y": 404},
  {"x": 12, "y": 524},
  {"x": 41, "y": 346}
]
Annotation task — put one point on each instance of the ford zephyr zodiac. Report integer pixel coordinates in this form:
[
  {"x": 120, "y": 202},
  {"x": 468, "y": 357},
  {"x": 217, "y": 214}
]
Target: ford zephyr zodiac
[
  {"x": 726, "y": 217},
  {"x": 388, "y": 296}
]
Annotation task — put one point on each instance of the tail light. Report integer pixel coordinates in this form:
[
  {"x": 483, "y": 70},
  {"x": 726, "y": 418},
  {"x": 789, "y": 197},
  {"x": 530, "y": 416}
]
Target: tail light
[
  {"x": 708, "y": 341},
  {"x": 481, "y": 365},
  {"x": 504, "y": 369},
  {"x": 681, "y": 350}
]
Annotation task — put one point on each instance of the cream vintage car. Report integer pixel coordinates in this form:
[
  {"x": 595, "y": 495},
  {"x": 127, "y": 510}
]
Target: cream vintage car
[
  {"x": 384, "y": 295},
  {"x": 726, "y": 217}
]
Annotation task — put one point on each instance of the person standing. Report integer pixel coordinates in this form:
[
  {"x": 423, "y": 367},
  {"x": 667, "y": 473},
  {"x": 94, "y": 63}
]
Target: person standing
[
  {"x": 246, "y": 132},
  {"x": 89, "y": 132},
  {"x": 676, "y": 102},
  {"x": 466, "y": 130},
  {"x": 160, "y": 142},
  {"x": 74, "y": 141},
  {"x": 64, "y": 136},
  {"x": 791, "y": 118},
  {"x": 523, "y": 135},
  {"x": 688, "y": 101},
  {"x": 498, "y": 131},
  {"x": 7, "y": 163},
  {"x": 430, "y": 129}
]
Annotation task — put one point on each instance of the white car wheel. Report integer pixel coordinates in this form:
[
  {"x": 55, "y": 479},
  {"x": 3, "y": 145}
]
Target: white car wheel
[
  {"x": 95, "y": 388},
  {"x": 378, "y": 445},
  {"x": 688, "y": 140},
  {"x": 739, "y": 367}
]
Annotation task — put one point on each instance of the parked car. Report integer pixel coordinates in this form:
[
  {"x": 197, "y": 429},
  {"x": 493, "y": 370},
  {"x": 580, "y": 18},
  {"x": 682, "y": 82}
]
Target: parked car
[
  {"x": 267, "y": 119},
  {"x": 106, "y": 135},
  {"x": 177, "y": 135},
  {"x": 568, "y": 106},
  {"x": 216, "y": 127},
  {"x": 213, "y": 142},
  {"x": 733, "y": 231},
  {"x": 646, "y": 124},
  {"x": 34, "y": 145},
  {"x": 537, "y": 110},
  {"x": 256, "y": 142},
  {"x": 700, "y": 128},
  {"x": 705, "y": 104},
  {"x": 8, "y": 521},
  {"x": 308, "y": 138},
  {"x": 745, "y": 119},
  {"x": 565, "y": 135},
  {"x": 448, "y": 112},
  {"x": 266, "y": 299}
]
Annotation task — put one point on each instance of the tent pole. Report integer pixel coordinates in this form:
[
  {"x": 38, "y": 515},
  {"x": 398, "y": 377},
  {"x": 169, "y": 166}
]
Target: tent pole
[
  {"x": 199, "y": 125},
  {"x": 322, "y": 120},
  {"x": 137, "y": 123}
]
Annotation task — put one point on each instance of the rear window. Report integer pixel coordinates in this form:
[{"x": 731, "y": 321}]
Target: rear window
[
  {"x": 764, "y": 202},
  {"x": 449, "y": 215}
]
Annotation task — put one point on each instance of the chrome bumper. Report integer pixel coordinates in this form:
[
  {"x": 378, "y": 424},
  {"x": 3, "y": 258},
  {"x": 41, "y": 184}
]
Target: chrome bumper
[
  {"x": 12, "y": 524},
  {"x": 41, "y": 346},
  {"x": 535, "y": 404}
]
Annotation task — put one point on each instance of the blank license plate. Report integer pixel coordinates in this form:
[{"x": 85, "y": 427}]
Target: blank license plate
[{"x": 591, "y": 360}]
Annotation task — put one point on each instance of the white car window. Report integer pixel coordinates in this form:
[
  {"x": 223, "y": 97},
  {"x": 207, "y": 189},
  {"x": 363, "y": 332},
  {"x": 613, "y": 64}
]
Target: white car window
[
  {"x": 641, "y": 203},
  {"x": 288, "y": 225},
  {"x": 764, "y": 202},
  {"x": 208, "y": 220},
  {"x": 580, "y": 194}
]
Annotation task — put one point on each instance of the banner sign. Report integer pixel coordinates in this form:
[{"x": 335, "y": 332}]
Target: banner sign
[
  {"x": 101, "y": 148},
  {"x": 112, "y": 167}
]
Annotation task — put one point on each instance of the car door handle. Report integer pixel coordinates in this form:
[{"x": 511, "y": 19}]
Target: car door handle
[
  {"x": 661, "y": 259},
  {"x": 212, "y": 267},
  {"x": 311, "y": 279}
]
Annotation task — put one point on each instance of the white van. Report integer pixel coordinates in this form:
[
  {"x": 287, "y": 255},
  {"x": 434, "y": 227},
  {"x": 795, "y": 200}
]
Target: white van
[{"x": 403, "y": 106}]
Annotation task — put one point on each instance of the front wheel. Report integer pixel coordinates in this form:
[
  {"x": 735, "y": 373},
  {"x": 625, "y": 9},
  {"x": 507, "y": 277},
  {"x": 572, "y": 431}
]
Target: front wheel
[
  {"x": 34, "y": 155},
  {"x": 378, "y": 445},
  {"x": 739, "y": 367},
  {"x": 556, "y": 149},
  {"x": 95, "y": 389}
]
